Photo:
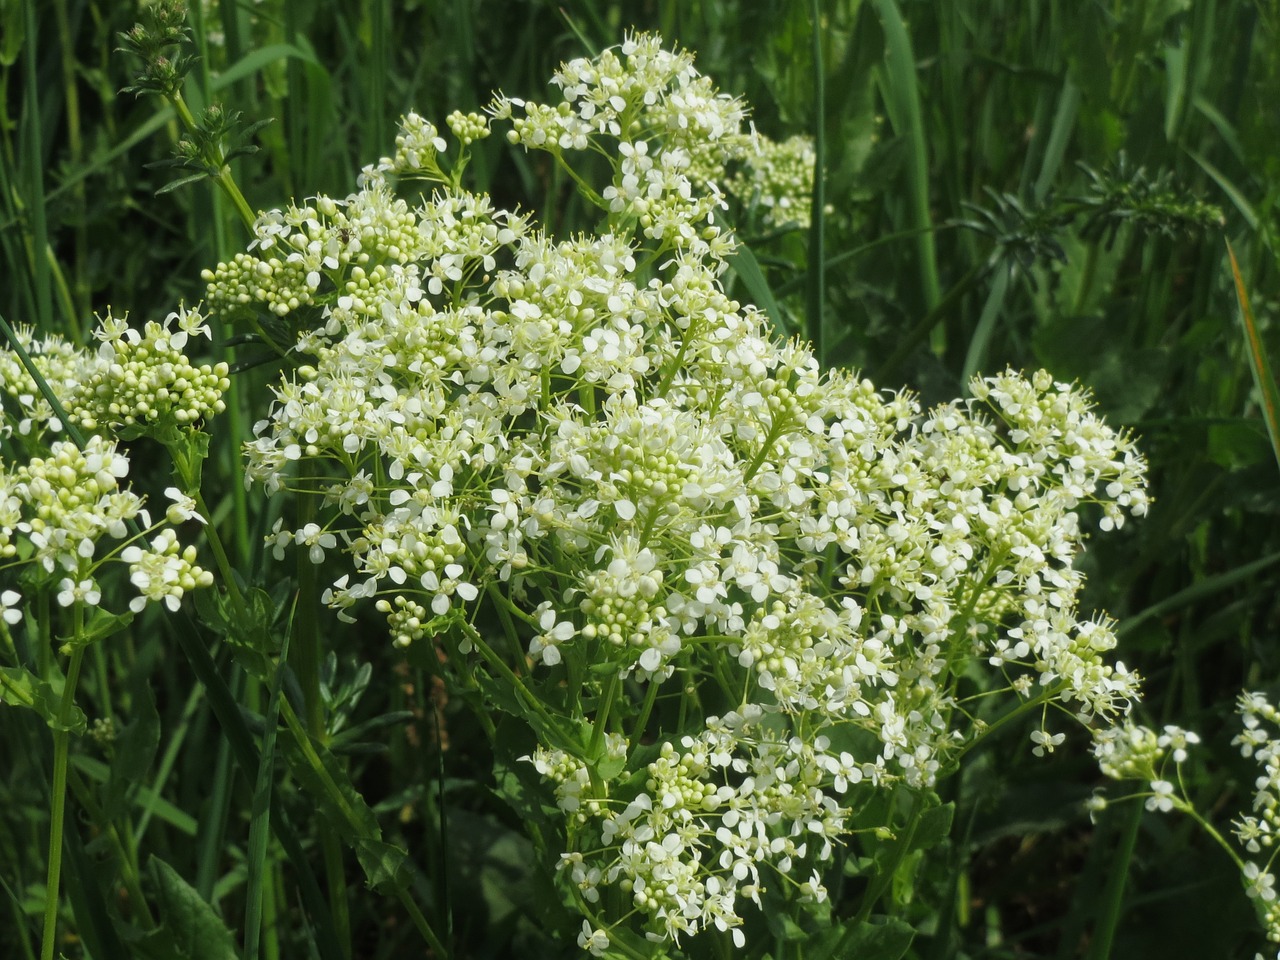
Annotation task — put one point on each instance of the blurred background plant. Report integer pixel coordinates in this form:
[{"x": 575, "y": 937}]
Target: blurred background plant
[{"x": 1000, "y": 183}]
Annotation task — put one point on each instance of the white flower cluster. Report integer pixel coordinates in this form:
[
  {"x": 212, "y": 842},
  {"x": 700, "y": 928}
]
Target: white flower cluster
[
  {"x": 135, "y": 382},
  {"x": 1131, "y": 751},
  {"x": 712, "y": 813},
  {"x": 1257, "y": 832},
  {"x": 60, "y": 513},
  {"x": 587, "y": 441},
  {"x": 777, "y": 176}
]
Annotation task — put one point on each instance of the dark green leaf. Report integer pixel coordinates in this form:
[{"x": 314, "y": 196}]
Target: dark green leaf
[
  {"x": 190, "y": 929},
  {"x": 21, "y": 688}
]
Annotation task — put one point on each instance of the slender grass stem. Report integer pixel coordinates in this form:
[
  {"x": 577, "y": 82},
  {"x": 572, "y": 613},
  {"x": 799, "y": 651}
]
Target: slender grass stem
[
  {"x": 1113, "y": 895},
  {"x": 816, "y": 308},
  {"x": 36, "y": 213},
  {"x": 58, "y": 790}
]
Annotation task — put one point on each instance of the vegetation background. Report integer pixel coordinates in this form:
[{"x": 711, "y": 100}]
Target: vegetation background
[{"x": 1006, "y": 183}]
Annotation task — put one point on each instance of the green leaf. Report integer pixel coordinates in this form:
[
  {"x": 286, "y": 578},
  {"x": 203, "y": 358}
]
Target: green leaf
[
  {"x": 259, "y": 59},
  {"x": 1263, "y": 376},
  {"x": 934, "y": 827},
  {"x": 101, "y": 624},
  {"x": 190, "y": 929},
  {"x": 344, "y": 810},
  {"x": 135, "y": 750},
  {"x": 247, "y": 631},
  {"x": 182, "y": 182},
  {"x": 883, "y": 941},
  {"x": 22, "y": 688},
  {"x": 744, "y": 263}
]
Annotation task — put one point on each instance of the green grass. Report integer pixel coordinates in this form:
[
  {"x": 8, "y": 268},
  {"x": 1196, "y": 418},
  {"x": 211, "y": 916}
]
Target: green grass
[{"x": 915, "y": 271}]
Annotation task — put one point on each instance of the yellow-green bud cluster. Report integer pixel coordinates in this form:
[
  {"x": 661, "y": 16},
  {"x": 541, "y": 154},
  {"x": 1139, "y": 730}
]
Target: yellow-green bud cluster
[
  {"x": 468, "y": 127},
  {"x": 778, "y": 176},
  {"x": 145, "y": 380},
  {"x": 282, "y": 285}
]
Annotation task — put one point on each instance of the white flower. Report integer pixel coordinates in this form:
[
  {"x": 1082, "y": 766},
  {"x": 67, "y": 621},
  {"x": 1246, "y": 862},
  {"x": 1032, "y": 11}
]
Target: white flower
[
  {"x": 1045, "y": 741},
  {"x": 1161, "y": 798},
  {"x": 593, "y": 940},
  {"x": 8, "y": 609},
  {"x": 183, "y": 507},
  {"x": 1261, "y": 883}
]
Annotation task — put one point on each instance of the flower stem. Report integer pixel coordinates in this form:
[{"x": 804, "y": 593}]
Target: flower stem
[
  {"x": 58, "y": 798},
  {"x": 220, "y": 172}
]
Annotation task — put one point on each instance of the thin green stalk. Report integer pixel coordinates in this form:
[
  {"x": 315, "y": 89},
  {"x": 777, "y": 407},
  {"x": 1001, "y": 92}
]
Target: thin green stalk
[
  {"x": 1003, "y": 720},
  {"x": 339, "y": 801},
  {"x": 903, "y": 96},
  {"x": 213, "y": 820},
  {"x": 817, "y": 233},
  {"x": 650, "y": 698},
  {"x": 220, "y": 172},
  {"x": 883, "y": 879},
  {"x": 1259, "y": 365},
  {"x": 75, "y": 149},
  {"x": 306, "y": 663},
  {"x": 607, "y": 698},
  {"x": 58, "y": 791},
  {"x": 495, "y": 661},
  {"x": 976, "y": 355},
  {"x": 35, "y": 171},
  {"x": 257, "y": 887},
  {"x": 1113, "y": 894}
]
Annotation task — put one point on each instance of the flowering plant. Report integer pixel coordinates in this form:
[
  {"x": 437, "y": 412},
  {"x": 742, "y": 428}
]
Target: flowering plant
[
  {"x": 748, "y": 608},
  {"x": 728, "y": 619}
]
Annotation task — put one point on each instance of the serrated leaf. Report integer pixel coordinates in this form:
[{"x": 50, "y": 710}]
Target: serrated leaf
[
  {"x": 384, "y": 864},
  {"x": 344, "y": 810},
  {"x": 20, "y": 687}
]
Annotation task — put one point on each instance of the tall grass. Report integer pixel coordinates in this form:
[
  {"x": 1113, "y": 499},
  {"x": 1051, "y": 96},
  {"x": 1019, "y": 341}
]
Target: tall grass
[{"x": 962, "y": 225}]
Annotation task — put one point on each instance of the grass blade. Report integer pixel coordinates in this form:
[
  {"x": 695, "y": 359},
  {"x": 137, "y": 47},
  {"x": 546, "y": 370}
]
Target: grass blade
[
  {"x": 1260, "y": 365},
  {"x": 260, "y": 825},
  {"x": 817, "y": 293},
  {"x": 32, "y": 117},
  {"x": 744, "y": 263},
  {"x": 903, "y": 96},
  {"x": 1199, "y": 590}
]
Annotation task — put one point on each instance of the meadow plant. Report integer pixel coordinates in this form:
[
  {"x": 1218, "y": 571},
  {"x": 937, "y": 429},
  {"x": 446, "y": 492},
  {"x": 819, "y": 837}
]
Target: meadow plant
[
  {"x": 728, "y": 618},
  {"x": 735, "y": 596}
]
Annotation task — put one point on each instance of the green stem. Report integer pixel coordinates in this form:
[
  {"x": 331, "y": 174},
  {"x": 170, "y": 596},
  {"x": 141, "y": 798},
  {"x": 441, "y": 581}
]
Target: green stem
[
  {"x": 525, "y": 694},
  {"x": 650, "y": 698},
  {"x": 58, "y": 797},
  {"x": 339, "y": 801},
  {"x": 1113, "y": 896},
  {"x": 1006, "y": 718},
  {"x": 220, "y": 173},
  {"x": 817, "y": 235},
  {"x": 607, "y": 699},
  {"x": 884, "y": 878}
]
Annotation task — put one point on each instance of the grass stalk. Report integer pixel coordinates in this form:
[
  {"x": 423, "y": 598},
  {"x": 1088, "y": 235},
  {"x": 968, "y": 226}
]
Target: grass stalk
[
  {"x": 1259, "y": 363},
  {"x": 817, "y": 292},
  {"x": 36, "y": 213},
  {"x": 1112, "y": 902},
  {"x": 903, "y": 95},
  {"x": 58, "y": 791}
]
